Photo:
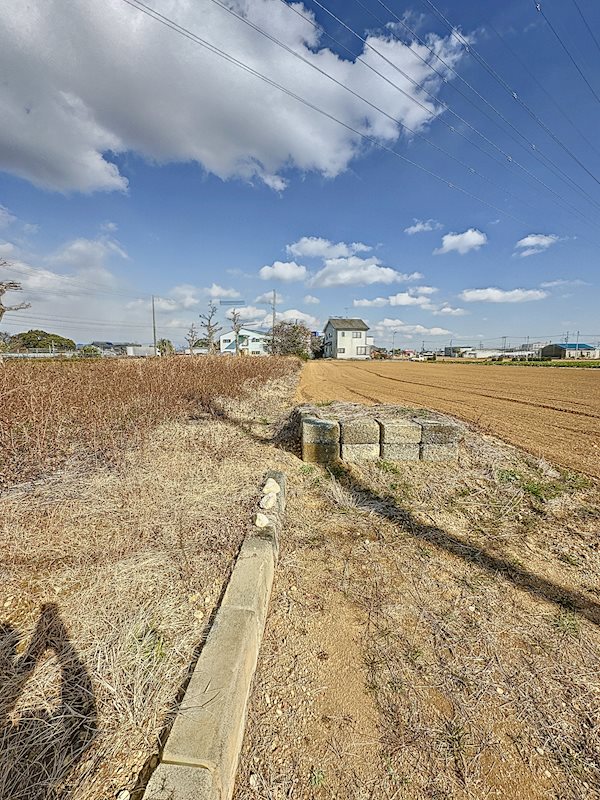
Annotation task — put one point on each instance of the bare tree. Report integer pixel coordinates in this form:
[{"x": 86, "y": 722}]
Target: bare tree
[
  {"x": 236, "y": 316},
  {"x": 10, "y": 286},
  {"x": 191, "y": 337},
  {"x": 210, "y": 327}
]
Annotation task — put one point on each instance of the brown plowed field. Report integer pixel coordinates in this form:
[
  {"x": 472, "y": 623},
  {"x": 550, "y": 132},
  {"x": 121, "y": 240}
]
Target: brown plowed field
[{"x": 552, "y": 413}]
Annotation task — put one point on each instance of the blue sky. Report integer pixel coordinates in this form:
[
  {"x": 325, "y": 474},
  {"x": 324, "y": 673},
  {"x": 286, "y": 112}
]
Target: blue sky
[{"x": 134, "y": 162}]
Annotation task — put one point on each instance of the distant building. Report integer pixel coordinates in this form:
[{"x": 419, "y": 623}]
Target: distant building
[
  {"x": 141, "y": 350},
  {"x": 347, "y": 338},
  {"x": 250, "y": 343},
  {"x": 571, "y": 350}
]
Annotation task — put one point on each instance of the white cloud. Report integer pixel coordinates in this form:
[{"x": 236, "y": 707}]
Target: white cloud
[
  {"x": 423, "y": 290},
  {"x": 217, "y": 292},
  {"x": 399, "y": 325},
  {"x": 376, "y": 302},
  {"x": 462, "y": 243},
  {"x": 87, "y": 254},
  {"x": 422, "y": 226},
  {"x": 287, "y": 271},
  {"x": 356, "y": 271},
  {"x": 293, "y": 314},
  {"x": 493, "y": 295},
  {"x": 316, "y": 247},
  {"x": 449, "y": 311},
  {"x": 248, "y": 313},
  {"x": 61, "y": 124},
  {"x": 7, "y": 249},
  {"x": 30, "y": 228},
  {"x": 535, "y": 243},
  {"x": 563, "y": 282},
  {"x": 311, "y": 300},
  {"x": 267, "y": 297},
  {"x": 6, "y": 217},
  {"x": 409, "y": 299},
  {"x": 109, "y": 227}
]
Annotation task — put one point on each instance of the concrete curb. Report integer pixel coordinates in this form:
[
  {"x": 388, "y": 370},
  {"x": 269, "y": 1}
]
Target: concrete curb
[{"x": 201, "y": 754}]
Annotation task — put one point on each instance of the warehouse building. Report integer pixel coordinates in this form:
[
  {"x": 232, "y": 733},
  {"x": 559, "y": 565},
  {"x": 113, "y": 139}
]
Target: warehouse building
[{"x": 571, "y": 350}]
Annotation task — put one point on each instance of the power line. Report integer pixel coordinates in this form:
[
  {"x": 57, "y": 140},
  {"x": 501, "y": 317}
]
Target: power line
[
  {"x": 585, "y": 22},
  {"x": 529, "y": 146},
  {"x": 137, "y": 4},
  {"x": 541, "y": 86},
  {"x": 485, "y": 138},
  {"x": 395, "y": 120},
  {"x": 485, "y": 64},
  {"x": 538, "y": 7}
]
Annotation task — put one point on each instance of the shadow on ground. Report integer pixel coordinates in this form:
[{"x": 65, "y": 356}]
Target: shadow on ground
[
  {"x": 285, "y": 437},
  {"x": 40, "y": 747}
]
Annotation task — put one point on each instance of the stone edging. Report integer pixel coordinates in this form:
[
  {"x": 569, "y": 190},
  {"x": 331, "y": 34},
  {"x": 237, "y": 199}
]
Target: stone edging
[{"x": 200, "y": 757}]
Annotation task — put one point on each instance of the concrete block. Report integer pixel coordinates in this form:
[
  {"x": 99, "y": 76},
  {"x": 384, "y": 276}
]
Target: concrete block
[
  {"x": 438, "y": 432},
  {"x": 178, "y": 782},
  {"x": 209, "y": 727},
  {"x": 399, "y": 431},
  {"x": 439, "y": 452},
  {"x": 360, "y": 452},
  {"x": 250, "y": 584},
  {"x": 320, "y": 431},
  {"x": 360, "y": 430},
  {"x": 404, "y": 451},
  {"x": 321, "y": 452}
]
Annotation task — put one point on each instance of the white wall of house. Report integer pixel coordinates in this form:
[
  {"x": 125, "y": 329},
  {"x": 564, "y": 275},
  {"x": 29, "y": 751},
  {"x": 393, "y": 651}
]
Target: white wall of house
[
  {"x": 250, "y": 343},
  {"x": 346, "y": 343}
]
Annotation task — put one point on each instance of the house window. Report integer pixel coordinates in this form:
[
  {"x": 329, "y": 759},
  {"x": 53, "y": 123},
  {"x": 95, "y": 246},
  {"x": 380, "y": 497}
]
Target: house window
[
  {"x": 255, "y": 339},
  {"x": 226, "y": 341},
  {"x": 254, "y": 352},
  {"x": 357, "y": 334},
  {"x": 342, "y": 333},
  {"x": 361, "y": 351},
  {"x": 341, "y": 349}
]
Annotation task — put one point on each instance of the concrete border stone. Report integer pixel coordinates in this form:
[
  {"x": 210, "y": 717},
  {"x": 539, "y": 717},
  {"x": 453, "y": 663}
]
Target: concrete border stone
[
  {"x": 201, "y": 754},
  {"x": 401, "y": 451},
  {"x": 360, "y": 452}
]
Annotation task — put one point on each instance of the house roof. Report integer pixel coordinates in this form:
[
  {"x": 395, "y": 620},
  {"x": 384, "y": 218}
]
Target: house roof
[
  {"x": 573, "y": 346},
  {"x": 245, "y": 331},
  {"x": 340, "y": 324}
]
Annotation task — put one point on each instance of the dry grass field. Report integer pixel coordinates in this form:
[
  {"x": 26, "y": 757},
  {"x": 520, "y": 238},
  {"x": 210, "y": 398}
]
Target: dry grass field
[
  {"x": 113, "y": 555},
  {"x": 434, "y": 630},
  {"x": 552, "y": 413}
]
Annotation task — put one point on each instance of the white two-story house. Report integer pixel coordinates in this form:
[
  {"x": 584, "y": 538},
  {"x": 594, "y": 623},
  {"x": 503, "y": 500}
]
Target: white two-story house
[
  {"x": 250, "y": 343},
  {"x": 346, "y": 338}
]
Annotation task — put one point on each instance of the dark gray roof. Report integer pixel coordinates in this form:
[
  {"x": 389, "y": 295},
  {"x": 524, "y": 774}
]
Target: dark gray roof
[{"x": 340, "y": 324}]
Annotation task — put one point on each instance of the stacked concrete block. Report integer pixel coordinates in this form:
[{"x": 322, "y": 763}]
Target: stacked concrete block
[
  {"x": 439, "y": 440},
  {"x": 360, "y": 439},
  {"x": 400, "y": 439},
  {"x": 320, "y": 440}
]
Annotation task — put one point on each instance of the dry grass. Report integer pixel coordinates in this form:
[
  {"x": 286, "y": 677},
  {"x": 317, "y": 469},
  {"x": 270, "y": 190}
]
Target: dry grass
[
  {"x": 109, "y": 578},
  {"x": 463, "y": 604},
  {"x": 65, "y": 412}
]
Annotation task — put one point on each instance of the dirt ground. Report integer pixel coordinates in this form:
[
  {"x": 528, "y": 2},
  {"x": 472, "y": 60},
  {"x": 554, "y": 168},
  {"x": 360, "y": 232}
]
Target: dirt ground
[
  {"x": 433, "y": 634},
  {"x": 552, "y": 413}
]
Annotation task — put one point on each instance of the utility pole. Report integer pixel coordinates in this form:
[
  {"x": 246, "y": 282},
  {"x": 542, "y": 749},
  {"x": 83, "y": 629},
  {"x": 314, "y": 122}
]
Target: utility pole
[
  {"x": 274, "y": 310},
  {"x": 577, "y": 346},
  {"x": 503, "y": 345},
  {"x": 527, "y": 356},
  {"x": 393, "y": 339},
  {"x": 153, "y": 325}
]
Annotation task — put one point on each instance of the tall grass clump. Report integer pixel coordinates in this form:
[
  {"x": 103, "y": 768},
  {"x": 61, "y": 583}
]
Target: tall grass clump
[{"x": 52, "y": 413}]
